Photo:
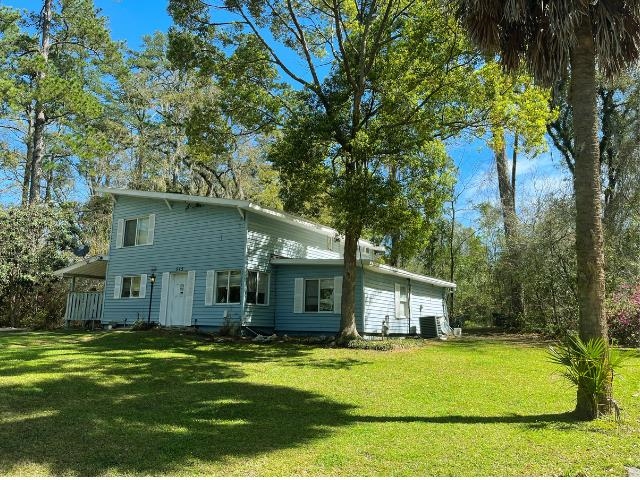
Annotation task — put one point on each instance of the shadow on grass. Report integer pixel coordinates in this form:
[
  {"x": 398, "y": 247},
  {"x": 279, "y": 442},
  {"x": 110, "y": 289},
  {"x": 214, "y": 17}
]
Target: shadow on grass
[
  {"x": 514, "y": 339},
  {"x": 131, "y": 350},
  {"x": 143, "y": 404},
  {"x": 531, "y": 421},
  {"x": 148, "y": 404}
]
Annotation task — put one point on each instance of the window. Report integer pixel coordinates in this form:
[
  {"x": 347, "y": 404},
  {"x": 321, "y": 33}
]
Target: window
[
  {"x": 136, "y": 232},
  {"x": 228, "y": 286},
  {"x": 257, "y": 288},
  {"x": 130, "y": 287},
  {"x": 318, "y": 295},
  {"x": 402, "y": 301}
]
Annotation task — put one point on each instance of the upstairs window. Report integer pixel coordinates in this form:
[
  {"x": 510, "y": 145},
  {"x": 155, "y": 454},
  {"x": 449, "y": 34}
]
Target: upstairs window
[
  {"x": 136, "y": 231},
  {"x": 228, "y": 286},
  {"x": 257, "y": 288}
]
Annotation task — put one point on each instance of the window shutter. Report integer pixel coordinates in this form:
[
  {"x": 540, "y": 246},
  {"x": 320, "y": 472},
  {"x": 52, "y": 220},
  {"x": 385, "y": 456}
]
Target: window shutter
[
  {"x": 188, "y": 293},
  {"x": 298, "y": 296},
  {"x": 117, "y": 286},
  {"x": 399, "y": 313},
  {"x": 152, "y": 228},
  {"x": 164, "y": 294},
  {"x": 337, "y": 294},
  {"x": 143, "y": 285},
  {"x": 208, "y": 292},
  {"x": 120, "y": 233}
]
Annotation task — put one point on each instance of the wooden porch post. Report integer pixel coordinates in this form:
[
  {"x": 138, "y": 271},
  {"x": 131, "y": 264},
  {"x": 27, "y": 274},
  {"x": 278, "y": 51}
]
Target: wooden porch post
[{"x": 66, "y": 311}]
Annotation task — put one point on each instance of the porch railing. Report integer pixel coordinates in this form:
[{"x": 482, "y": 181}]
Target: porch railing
[{"x": 83, "y": 306}]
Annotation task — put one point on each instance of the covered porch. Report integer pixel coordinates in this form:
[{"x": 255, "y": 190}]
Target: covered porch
[{"x": 85, "y": 298}]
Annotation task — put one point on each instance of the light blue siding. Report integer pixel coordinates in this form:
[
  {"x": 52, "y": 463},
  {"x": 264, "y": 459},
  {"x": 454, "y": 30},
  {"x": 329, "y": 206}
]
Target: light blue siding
[
  {"x": 267, "y": 237},
  {"x": 289, "y": 322},
  {"x": 379, "y": 298},
  {"x": 194, "y": 237},
  {"x": 187, "y": 237}
]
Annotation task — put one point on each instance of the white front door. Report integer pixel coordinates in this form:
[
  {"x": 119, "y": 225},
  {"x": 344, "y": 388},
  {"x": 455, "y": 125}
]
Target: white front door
[{"x": 177, "y": 301}]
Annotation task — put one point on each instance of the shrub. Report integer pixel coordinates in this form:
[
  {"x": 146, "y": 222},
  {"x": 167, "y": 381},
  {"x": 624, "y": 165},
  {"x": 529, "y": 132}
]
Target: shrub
[
  {"x": 33, "y": 242},
  {"x": 229, "y": 328},
  {"x": 142, "y": 325},
  {"x": 590, "y": 366},
  {"x": 623, "y": 318},
  {"x": 381, "y": 345}
]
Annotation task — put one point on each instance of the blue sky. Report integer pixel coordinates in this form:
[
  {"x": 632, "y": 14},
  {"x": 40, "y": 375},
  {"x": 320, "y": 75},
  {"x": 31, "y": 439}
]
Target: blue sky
[{"x": 130, "y": 20}]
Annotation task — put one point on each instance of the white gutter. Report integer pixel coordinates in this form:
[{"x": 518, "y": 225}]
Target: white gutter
[{"x": 414, "y": 276}]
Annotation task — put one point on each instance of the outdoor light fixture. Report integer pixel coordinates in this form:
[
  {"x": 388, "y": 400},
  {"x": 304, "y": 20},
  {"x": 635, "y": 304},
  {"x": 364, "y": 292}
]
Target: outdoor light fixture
[{"x": 152, "y": 279}]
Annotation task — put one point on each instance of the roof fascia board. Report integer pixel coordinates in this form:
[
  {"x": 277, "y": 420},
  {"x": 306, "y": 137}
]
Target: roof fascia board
[
  {"x": 174, "y": 197},
  {"x": 414, "y": 276},
  {"x": 308, "y": 261},
  {"x": 369, "y": 265},
  {"x": 73, "y": 266}
]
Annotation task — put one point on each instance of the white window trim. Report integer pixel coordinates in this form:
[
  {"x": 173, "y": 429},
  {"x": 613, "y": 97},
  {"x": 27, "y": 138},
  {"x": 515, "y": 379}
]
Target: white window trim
[
  {"x": 149, "y": 229},
  {"x": 304, "y": 296},
  {"x": 215, "y": 286},
  {"x": 400, "y": 312},
  {"x": 139, "y": 296},
  {"x": 246, "y": 290}
]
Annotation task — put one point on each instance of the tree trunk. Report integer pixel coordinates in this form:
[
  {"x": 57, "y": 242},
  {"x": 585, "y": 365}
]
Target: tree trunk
[
  {"x": 40, "y": 114},
  {"x": 348, "y": 330},
  {"x": 394, "y": 253},
  {"x": 452, "y": 257},
  {"x": 48, "y": 187},
  {"x": 589, "y": 239},
  {"x": 506, "y": 187},
  {"x": 26, "y": 179}
]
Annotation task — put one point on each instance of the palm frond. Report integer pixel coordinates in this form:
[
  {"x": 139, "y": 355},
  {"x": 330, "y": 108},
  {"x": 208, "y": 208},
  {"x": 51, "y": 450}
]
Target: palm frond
[{"x": 542, "y": 33}]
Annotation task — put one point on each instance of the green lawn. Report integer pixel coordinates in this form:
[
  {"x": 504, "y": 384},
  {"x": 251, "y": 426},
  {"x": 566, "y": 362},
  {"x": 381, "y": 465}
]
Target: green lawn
[{"x": 147, "y": 403}]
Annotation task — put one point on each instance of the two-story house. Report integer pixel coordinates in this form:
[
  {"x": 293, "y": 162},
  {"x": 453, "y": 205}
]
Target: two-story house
[{"x": 209, "y": 261}]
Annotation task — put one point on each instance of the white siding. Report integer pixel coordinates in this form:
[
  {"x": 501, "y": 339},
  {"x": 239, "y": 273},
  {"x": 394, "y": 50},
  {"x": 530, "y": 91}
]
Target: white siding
[{"x": 426, "y": 300}]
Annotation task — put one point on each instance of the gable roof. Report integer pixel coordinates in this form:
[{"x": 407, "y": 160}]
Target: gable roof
[
  {"x": 239, "y": 204},
  {"x": 368, "y": 265}
]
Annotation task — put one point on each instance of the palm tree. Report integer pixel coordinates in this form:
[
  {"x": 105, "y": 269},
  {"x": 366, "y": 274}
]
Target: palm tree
[{"x": 555, "y": 38}]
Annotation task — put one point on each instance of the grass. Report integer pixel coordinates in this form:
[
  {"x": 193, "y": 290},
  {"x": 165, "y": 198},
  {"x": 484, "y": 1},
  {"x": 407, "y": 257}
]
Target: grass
[{"x": 149, "y": 403}]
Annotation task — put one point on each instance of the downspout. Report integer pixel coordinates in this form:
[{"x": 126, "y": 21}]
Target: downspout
[
  {"x": 243, "y": 272},
  {"x": 362, "y": 292},
  {"x": 409, "y": 305},
  {"x": 445, "y": 293}
]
